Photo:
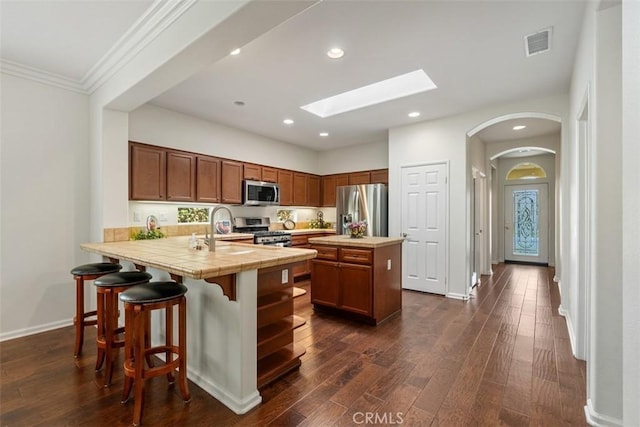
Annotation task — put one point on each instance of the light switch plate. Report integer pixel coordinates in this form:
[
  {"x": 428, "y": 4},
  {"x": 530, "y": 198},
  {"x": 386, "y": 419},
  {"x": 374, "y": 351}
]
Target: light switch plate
[
  {"x": 136, "y": 216},
  {"x": 285, "y": 276},
  {"x": 388, "y": 264}
]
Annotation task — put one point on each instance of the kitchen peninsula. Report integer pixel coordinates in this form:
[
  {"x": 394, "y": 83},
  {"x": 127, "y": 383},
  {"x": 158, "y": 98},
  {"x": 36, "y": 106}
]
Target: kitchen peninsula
[{"x": 239, "y": 333}]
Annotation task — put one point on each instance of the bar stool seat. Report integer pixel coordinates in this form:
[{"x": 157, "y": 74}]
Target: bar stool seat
[
  {"x": 138, "y": 302},
  {"x": 108, "y": 287},
  {"x": 80, "y": 274}
]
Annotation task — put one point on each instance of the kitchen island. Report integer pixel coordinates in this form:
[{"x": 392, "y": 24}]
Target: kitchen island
[
  {"x": 359, "y": 277},
  {"x": 239, "y": 333}
]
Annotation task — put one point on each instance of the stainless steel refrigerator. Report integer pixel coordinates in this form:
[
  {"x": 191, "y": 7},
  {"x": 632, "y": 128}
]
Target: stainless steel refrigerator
[{"x": 362, "y": 202}]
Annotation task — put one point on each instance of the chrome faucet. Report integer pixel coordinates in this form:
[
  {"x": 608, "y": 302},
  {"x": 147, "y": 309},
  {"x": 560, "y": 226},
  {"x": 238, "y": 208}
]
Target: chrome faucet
[{"x": 212, "y": 241}]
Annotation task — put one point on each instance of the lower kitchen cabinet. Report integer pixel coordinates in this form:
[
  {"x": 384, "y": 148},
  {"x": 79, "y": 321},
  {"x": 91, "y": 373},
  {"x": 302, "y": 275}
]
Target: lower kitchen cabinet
[{"x": 357, "y": 280}]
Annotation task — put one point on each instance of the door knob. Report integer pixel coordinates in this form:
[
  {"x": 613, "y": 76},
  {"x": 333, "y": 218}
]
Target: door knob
[{"x": 404, "y": 235}]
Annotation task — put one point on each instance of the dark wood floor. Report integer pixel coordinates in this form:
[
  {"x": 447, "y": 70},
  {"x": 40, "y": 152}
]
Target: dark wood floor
[{"x": 503, "y": 358}]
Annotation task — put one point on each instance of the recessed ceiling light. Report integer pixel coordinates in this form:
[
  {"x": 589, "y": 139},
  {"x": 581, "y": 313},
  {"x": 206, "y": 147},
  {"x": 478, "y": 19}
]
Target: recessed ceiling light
[
  {"x": 393, "y": 88},
  {"x": 414, "y": 114},
  {"x": 287, "y": 121},
  {"x": 235, "y": 52},
  {"x": 519, "y": 127},
  {"x": 335, "y": 53},
  {"x": 324, "y": 134}
]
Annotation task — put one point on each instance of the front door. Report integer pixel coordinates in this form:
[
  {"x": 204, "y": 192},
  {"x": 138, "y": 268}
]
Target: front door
[
  {"x": 424, "y": 201},
  {"x": 526, "y": 223}
]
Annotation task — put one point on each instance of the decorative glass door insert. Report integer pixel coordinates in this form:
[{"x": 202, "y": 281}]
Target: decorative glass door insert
[{"x": 526, "y": 236}]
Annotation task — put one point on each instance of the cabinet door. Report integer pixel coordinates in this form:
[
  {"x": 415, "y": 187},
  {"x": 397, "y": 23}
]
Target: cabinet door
[
  {"x": 299, "y": 189},
  {"x": 181, "y": 177},
  {"x": 313, "y": 190},
  {"x": 231, "y": 184},
  {"x": 207, "y": 179},
  {"x": 324, "y": 283},
  {"x": 329, "y": 190},
  {"x": 147, "y": 172},
  {"x": 252, "y": 172},
  {"x": 359, "y": 178},
  {"x": 380, "y": 176},
  {"x": 269, "y": 174},
  {"x": 285, "y": 180},
  {"x": 356, "y": 289}
]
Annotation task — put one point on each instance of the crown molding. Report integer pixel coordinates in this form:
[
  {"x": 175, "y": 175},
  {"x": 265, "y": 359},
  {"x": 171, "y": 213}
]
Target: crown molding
[
  {"x": 26, "y": 72},
  {"x": 160, "y": 15}
]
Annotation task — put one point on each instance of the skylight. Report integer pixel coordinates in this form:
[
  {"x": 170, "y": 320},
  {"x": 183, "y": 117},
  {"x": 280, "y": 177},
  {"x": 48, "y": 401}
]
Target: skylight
[{"x": 375, "y": 93}]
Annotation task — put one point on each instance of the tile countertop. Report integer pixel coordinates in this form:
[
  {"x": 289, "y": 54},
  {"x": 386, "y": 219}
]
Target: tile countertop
[
  {"x": 173, "y": 255},
  {"x": 365, "y": 242}
]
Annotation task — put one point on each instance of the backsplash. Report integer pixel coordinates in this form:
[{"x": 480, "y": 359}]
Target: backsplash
[{"x": 167, "y": 214}]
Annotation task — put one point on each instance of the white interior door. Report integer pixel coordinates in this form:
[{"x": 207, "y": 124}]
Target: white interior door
[
  {"x": 478, "y": 198},
  {"x": 424, "y": 210},
  {"x": 526, "y": 223}
]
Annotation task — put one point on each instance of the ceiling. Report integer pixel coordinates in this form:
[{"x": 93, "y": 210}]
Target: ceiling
[{"x": 473, "y": 51}]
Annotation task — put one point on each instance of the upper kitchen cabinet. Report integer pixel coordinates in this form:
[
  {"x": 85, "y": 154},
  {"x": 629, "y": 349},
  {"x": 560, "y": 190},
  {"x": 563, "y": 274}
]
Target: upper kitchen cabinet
[
  {"x": 356, "y": 178},
  {"x": 285, "y": 181},
  {"x": 252, "y": 172},
  {"x": 208, "y": 179},
  {"x": 329, "y": 184},
  {"x": 181, "y": 177},
  {"x": 269, "y": 174},
  {"x": 147, "y": 172},
  {"x": 380, "y": 176},
  {"x": 313, "y": 190},
  {"x": 231, "y": 185},
  {"x": 299, "y": 189}
]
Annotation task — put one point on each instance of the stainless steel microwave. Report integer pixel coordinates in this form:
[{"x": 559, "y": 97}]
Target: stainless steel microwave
[{"x": 258, "y": 193}]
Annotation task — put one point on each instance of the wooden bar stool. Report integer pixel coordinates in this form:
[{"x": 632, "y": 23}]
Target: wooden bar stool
[
  {"x": 108, "y": 287},
  {"x": 138, "y": 302},
  {"x": 80, "y": 274}
]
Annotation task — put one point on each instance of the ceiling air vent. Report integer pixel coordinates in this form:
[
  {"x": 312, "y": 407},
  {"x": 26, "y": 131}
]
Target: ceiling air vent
[{"x": 538, "y": 42}]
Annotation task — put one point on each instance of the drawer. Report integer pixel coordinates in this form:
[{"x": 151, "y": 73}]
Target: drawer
[
  {"x": 356, "y": 256},
  {"x": 299, "y": 240},
  {"x": 327, "y": 253}
]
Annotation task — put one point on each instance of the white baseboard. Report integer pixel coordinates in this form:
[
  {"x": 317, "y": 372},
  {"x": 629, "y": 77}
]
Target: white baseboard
[
  {"x": 455, "y": 295},
  {"x": 35, "y": 330},
  {"x": 556, "y": 279},
  {"x": 596, "y": 419},
  {"x": 237, "y": 405},
  {"x": 572, "y": 336}
]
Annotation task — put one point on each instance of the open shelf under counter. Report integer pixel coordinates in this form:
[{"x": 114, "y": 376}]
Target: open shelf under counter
[{"x": 279, "y": 363}]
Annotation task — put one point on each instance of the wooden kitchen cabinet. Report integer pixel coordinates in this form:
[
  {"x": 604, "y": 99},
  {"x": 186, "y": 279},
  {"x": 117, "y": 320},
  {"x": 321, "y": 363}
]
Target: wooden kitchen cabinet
[
  {"x": 269, "y": 174},
  {"x": 380, "y": 176},
  {"x": 231, "y": 182},
  {"x": 147, "y": 172},
  {"x": 329, "y": 184},
  {"x": 252, "y": 172},
  {"x": 207, "y": 179},
  {"x": 285, "y": 181},
  {"x": 299, "y": 189},
  {"x": 181, "y": 177},
  {"x": 313, "y": 190},
  {"x": 356, "y": 178},
  {"x": 363, "y": 281}
]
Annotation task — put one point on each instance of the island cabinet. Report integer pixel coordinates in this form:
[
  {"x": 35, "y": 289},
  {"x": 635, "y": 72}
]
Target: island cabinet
[
  {"x": 354, "y": 279},
  {"x": 277, "y": 353}
]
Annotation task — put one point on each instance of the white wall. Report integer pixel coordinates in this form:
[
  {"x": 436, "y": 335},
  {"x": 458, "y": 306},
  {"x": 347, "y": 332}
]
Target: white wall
[
  {"x": 630, "y": 208},
  {"x": 597, "y": 77},
  {"x": 45, "y": 203},
  {"x": 355, "y": 158},
  {"x": 446, "y": 139}
]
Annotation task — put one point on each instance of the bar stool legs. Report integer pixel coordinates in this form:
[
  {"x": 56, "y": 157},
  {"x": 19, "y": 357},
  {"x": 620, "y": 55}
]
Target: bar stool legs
[{"x": 139, "y": 301}]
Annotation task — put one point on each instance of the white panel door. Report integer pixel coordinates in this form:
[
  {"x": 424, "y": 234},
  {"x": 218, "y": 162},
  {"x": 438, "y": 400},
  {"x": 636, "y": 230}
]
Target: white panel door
[
  {"x": 424, "y": 203},
  {"x": 526, "y": 223}
]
